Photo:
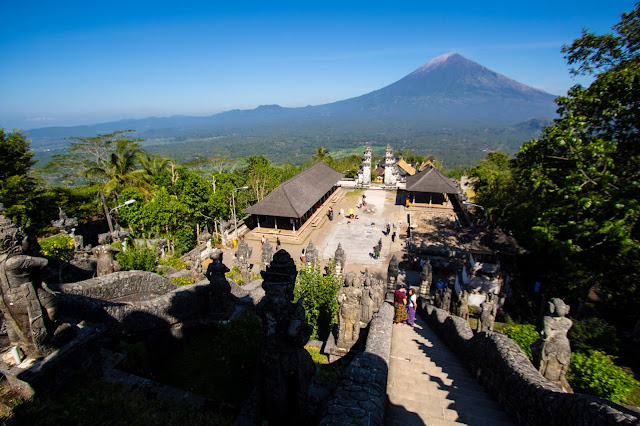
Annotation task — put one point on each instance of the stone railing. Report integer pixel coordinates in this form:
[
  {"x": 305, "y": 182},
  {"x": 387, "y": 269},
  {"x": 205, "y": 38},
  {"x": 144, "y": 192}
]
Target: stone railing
[
  {"x": 505, "y": 371},
  {"x": 361, "y": 395}
]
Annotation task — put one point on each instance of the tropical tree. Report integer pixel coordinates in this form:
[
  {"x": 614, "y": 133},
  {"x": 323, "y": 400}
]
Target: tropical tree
[
  {"x": 582, "y": 176},
  {"x": 16, "y": 183},
  {"x": 121, "y": 169}
]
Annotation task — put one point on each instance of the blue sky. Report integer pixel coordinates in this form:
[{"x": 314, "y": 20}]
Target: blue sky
[{"x": 68, "y": 62}]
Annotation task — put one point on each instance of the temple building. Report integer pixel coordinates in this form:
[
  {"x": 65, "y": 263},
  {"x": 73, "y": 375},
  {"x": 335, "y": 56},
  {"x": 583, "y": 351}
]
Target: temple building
[
  {"x": 430, "y": 188},
  {"x": 296, "y": 202}
]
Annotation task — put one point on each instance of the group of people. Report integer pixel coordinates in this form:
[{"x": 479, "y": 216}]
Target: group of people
[{"x": 405, "y": 303}]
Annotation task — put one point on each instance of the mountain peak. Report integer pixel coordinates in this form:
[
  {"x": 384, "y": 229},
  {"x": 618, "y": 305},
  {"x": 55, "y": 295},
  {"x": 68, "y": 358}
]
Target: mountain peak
[{"x": 439, "y": 61}]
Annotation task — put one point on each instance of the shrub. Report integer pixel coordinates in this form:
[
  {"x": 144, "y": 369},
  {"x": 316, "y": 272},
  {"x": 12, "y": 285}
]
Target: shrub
[
  {"x": 174, "y": 262},
  {"x": 523, "y": 334},
  {"x": 320, "y": 293},
  {"x": 60, "y": 246},
  {"x": 594, "y": 373},
  {"x": 183, "y": 280},
  {"x": 138, "y": 258},
  {"x": 593, "y": 333}
]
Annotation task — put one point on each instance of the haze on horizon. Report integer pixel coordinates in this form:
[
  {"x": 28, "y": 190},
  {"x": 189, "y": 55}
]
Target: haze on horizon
[{"x": 76, "y": 63}]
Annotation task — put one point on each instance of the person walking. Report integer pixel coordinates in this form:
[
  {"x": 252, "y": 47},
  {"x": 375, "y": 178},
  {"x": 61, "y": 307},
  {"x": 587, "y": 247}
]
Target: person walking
[
  {"x": 302, "y": 256},
  {"x": 399, "y": 306},
  {"x": 412, "y": 304},
  {"x": 277, "y": 243},
  {"x": 262, "y": 240}
]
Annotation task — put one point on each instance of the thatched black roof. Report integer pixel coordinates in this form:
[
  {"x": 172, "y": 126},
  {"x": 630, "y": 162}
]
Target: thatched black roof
[
  {"x": 431, "y": 180},
  {"x": 294, "y": 197}
]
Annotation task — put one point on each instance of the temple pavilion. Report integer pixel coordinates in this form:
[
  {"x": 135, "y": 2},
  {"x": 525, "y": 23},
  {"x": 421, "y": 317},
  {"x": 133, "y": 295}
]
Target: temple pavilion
[
  {"x": 296, "y": 202},
  {"x": 430, "y": 188}
]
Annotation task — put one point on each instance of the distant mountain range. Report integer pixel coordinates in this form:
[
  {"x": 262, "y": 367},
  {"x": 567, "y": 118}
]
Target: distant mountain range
[{"x": 451, "y": 107}]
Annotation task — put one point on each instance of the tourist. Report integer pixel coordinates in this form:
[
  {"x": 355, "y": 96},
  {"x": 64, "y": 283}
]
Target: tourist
[
  {"x": 262, "y": 240},
  {"x": 360, "y": 203},
  {"x": 393, "y": 236},
  {"x": 302, "y": 256},
  {"x": 277, "y": 243},
  {"x": 380, "y": 243},
  {"x": 412, "y": 304},
  {"x": 364, "y": 200},
  {"x": 400, "y": 306},
  {"x": 388, "y": 228}
]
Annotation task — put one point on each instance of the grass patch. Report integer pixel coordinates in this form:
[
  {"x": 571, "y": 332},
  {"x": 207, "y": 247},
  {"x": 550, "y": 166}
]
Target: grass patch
[{"x": 326, "y": 373}]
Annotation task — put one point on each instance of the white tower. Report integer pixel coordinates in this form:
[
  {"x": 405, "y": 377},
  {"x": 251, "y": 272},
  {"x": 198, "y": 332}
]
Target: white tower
[{"x": 390, "y": 175}]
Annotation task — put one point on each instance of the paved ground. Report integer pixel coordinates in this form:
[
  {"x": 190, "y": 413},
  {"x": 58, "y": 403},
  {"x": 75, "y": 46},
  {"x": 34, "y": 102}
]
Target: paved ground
[{"x": 428, "y": 384}]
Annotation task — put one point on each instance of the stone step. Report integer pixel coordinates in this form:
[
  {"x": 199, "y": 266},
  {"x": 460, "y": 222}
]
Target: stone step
[
  {"x": 477, "y": 407},
  {"x": 426, "y": 411},
  {"x": 418, "y": 375}
]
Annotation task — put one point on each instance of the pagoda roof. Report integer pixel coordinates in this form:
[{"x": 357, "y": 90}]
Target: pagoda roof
[
  {"x": 406, "y": 167},
  {"x": 431, "y": 180},
  {"x": 295, "y": 196}
]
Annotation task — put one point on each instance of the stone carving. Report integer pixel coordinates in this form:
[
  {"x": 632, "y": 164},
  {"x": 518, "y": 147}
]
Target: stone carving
[
  {"x": 219, "y": 288},
  {"x": 243, "y": 260},
  {"x": 392, "y": 273},
  {"x": 366, "y": 301},
  {"x": 28, "y": 308},
  {"x": 445, "y": 298},
  {"x": 552, "y": 352},
  {"x": 426, "y": 277},
  {"x": 65, "y": 223},
  {"x": 349, "y": 312},
  {"x": 107, "y": 263},
  {"x": 286, "y": 367},
  {"x": 376, "y": 295},
  {"x": 463, "y": 304},
  {"x": 311, "y": 254},
  {"x": 488, "y": 315},
  {"x": 340, "y": 260},
  {"x": 267, "y": 254}
]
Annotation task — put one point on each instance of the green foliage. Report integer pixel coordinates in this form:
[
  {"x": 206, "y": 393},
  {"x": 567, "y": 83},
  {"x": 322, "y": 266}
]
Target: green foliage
[
  {"x": 138, "y": 258},
  {"x": 320, "y": 293},
  {"x": 16, "y": 183},
  {"x": 593, "y": 333},
  {"x": 90, "y": 400},
  {"x": 221, "y": 366},
  {"x": 572, "y": 196},
  {"x": 523, "y": 334},
  {"x": 173, "y": 261},
  {"x": 594, "y": 373},
  {"x": 183, "y": 280},
  {"x": 60, "y": 246}
]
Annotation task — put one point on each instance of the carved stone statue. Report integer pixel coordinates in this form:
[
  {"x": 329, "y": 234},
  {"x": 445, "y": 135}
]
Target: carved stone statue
[
  {"x": 65, "y": 223},
  {"x": 286, "y": 368},
  {"x": 445, "y": 299},
  {"x": 311, "y": 254},
  {"x": 376, "y": 296},
  {"x": 219, "y": 288},
  {"x": 366, "y": 301},
  {"x": 243, "y": 260},
  {"x": 105, "y": 252},
  {"x": 426, "y": 277},
  {"x": 340, "y": 260},
  {"x": 349, "y": 312},
  {"x": 392, "y": 273},
  {"x": 267, "y": 254},
  {"x": 463, "y": 304},
  {"x": 28, "y": 308},
  {"x": 488, "y": 314},
  {"x": 552, "y": 352}
]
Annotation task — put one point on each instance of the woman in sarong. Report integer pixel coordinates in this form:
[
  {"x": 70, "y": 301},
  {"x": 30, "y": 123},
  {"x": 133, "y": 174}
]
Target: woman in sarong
[{"x": 400, "y": 306}]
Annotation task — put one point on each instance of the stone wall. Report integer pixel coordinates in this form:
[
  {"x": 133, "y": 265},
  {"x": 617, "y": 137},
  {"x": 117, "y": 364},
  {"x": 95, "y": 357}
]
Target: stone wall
[
  {"x": 505, "y": 371},
  {"x": 119, "y": 286},
  {"x": 132, "y": 301},
  {"x": 361, "y": 395}
]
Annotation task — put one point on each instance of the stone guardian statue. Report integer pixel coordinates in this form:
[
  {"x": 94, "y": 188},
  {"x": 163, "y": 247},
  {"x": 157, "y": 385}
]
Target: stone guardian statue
[{"x": 552, "y": 352}]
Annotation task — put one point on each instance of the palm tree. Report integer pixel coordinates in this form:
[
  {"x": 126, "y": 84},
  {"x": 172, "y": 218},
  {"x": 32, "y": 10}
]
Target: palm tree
[
  {"x": 152, "y": 164},
  {"x": 322, "y": 155},
  {"x": 121, "y": 168}
]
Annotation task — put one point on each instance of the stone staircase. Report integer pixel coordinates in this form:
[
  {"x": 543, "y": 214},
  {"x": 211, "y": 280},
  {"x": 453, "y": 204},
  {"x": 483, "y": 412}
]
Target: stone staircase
[{"x": 427, "y": 384}]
